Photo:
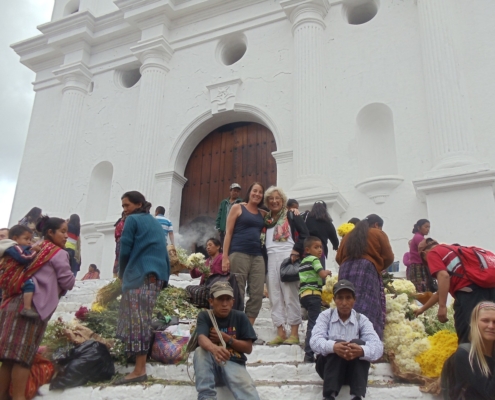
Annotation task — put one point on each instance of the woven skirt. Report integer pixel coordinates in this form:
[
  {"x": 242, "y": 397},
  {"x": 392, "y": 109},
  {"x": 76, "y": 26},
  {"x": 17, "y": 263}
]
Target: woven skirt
[
  {"x": 370, "y": 294},
  {"x": 199, "y": 295},
  {"x": 420, "y": 276},
  {"x": 19, "y": 336},
  {"x": 135, "y": 315}
]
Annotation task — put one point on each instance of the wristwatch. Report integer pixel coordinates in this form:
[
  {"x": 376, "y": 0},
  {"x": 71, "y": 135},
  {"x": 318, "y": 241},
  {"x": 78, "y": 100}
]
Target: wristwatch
[{"x": 230, "y": 342}]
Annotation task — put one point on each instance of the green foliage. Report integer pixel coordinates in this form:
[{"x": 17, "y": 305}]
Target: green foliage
[
  {"x": 433, "y": 325},
  {"x": 174, "y": 301},
  {"x": 55, "y": 338}
]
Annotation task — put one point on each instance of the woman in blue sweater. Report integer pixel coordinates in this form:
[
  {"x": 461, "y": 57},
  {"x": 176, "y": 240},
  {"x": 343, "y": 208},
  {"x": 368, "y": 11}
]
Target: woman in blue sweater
[{"x": 144, "y": 270}]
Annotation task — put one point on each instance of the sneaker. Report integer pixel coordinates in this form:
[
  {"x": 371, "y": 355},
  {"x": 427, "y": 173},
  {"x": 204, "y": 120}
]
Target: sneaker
[
  {"x": 309, "y": 358},
  {"x": 292, "y": 340},
  {"x": 29, "y": 313}
]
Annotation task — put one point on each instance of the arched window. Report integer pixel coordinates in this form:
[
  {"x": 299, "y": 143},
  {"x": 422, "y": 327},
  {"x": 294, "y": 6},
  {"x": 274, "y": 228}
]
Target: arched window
[{"x": 100, "y": 185}]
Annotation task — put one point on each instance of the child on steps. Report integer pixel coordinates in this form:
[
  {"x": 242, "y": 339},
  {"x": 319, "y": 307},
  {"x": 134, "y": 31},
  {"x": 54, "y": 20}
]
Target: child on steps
[{"x": 311, "y": 278}]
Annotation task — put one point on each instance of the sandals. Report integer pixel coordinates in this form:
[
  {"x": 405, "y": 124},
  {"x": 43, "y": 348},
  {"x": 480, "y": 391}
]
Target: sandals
[
  {"x": 277, "y": 341},
  {"x": 292, "y": 340}
]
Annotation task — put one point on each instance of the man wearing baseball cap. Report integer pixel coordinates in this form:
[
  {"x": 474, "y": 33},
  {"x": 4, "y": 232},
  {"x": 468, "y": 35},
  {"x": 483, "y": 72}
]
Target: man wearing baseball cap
[
  {"x": 224, "y": 209},
  {"x": 213, "y": 362},
  {"x": 346, "y": 343}
]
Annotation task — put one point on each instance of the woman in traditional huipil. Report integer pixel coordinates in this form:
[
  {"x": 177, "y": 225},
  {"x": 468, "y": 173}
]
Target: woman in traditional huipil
[
  {"x": 417, "y": 272},
  {"x": 20, "y": 337},
  {"x": 144, "y": 270},
  {"x": 363, "y": 255}
]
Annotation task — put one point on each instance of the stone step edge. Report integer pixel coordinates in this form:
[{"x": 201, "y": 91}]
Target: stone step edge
[{"x": 165, "y": 382}]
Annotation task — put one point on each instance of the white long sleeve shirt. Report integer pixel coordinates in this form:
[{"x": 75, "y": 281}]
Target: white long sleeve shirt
[{"x": 329, "y": 328}]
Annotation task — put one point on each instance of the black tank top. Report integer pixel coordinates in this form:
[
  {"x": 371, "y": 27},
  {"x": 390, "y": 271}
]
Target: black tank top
[{"x": 247, "y": 231}]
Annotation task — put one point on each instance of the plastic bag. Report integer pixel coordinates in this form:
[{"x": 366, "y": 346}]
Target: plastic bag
[{"x": 88, "y": 362}]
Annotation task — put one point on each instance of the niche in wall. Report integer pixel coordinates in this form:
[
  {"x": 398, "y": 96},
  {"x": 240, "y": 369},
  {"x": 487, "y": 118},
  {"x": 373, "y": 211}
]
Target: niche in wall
[
  {"x": 377, "y": 154},
  {"x": 100, "y": 185}
]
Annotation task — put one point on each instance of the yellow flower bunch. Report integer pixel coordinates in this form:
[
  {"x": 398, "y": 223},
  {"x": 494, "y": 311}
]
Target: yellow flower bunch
[
  {"x": 442, "y": 345},
  {"x": 96, "y": 307},
  {"x": 345, "y": 228},
  {"x": 327, "y": 291}
]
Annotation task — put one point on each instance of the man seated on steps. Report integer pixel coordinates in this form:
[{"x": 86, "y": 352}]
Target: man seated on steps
[
  {"x": 214, "y": 364},
  {"x": 345, "y": 342}
]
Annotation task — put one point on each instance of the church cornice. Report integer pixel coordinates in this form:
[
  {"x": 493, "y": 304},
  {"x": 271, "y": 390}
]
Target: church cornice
[{"x": 113, "y": 30}]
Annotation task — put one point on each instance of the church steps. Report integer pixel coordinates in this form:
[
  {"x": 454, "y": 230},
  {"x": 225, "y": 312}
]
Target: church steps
[{"x": 267, "y": 391}]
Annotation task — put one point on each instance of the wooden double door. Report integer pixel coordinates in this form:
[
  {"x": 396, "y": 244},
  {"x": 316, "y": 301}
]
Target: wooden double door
[{"x": 240, "y": 152}]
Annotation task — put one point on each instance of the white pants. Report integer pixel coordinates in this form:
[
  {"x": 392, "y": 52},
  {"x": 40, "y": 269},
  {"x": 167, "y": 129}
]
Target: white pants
[{"x": 284, "y": 296}]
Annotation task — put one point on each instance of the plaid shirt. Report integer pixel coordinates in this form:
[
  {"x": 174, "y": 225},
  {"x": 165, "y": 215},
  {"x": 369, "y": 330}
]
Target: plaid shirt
[{"x": 329, "y": 328}]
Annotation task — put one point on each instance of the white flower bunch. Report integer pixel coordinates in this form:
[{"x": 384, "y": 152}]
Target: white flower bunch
[
  {"x": 404, "y": 286},
  {"x": 407, "y": 339},
  {"x": 330, "y": 282},
  {"x": 196, "y": 260}
]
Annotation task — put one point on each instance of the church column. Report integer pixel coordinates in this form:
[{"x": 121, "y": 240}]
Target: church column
[
  {"x": 154, "y": 55},
  {"x": 457, "y": 182},
  {"x": 446, "y": 98},
  {"x": 307, "y": 28},
  {"x": 76, "y": 79}
]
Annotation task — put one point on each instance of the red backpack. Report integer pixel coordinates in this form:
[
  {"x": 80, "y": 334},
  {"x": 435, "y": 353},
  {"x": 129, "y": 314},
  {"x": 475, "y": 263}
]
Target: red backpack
[{"x": 478, "y": 265}]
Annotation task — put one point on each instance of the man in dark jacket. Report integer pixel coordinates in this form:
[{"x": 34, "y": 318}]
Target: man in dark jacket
[{"x": 224, "y": 209}]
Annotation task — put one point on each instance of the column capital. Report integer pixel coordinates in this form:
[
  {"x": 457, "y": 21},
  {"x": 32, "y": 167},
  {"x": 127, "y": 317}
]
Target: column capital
[
  {"x": 304, "y": 11},
  {"x": 155, "y": 52},
  {"x": 171, "y": 176},
  {"x": 76, "y": 76}
]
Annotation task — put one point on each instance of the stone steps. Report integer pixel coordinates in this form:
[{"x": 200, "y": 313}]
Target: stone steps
[
  {"x": 273, "y": 371},
  {"x": 268, "y": 391},
  {"x": 279, "y": 372}
]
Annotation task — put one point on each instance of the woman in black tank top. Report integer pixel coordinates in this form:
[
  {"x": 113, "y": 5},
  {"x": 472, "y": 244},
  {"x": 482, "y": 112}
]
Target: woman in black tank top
[{"x": 242, "y": 248}]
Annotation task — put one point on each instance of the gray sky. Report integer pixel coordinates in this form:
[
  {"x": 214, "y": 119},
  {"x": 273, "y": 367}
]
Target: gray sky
[{"x": 18, "y": 21}]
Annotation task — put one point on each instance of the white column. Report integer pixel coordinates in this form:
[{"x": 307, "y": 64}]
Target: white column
[
  {"x": 459, "y": 189},
  {"x": 154, "y": 55},
  {"x": 446, "y": 98},
  {"x": 307, "y": 28},
  {"x": 76, "y": 79}
]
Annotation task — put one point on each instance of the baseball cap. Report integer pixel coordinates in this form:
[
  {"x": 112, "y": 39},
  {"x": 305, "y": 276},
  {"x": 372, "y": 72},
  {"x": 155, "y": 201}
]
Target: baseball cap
[
  {"x": 343, "y": 284},
  {"x": 235, "y": 186},
  {"x": 221, "y": 288}
]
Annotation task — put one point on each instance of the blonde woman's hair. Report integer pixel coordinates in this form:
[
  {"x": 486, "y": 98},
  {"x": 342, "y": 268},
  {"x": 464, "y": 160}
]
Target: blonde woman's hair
[
  {"x": 269, "y": 192},
  {"x": 477, "y": 346}
]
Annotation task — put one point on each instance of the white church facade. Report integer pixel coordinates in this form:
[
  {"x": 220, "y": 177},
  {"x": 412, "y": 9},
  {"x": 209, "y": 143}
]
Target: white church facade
[{"x": 375, "y": 106}]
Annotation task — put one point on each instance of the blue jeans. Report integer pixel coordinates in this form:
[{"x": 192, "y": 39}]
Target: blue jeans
[{"x": 209, "y": 374}]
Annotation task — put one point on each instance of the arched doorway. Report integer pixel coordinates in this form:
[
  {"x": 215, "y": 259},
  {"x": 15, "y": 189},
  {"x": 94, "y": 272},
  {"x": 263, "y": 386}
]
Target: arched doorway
[{"x": 238, "y": 152}]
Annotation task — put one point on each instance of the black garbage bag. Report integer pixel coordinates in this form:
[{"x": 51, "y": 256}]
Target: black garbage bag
[{"x": 88, "y": 362}]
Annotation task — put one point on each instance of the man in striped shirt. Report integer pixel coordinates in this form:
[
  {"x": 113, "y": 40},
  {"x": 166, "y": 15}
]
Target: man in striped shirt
[
  {"x": 166, "y": 224},
  {"x": 346, "y": 343}
]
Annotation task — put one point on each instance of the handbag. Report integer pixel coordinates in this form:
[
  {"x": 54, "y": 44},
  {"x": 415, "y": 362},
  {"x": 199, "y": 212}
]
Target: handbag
[{"x": 289, "y": 272}]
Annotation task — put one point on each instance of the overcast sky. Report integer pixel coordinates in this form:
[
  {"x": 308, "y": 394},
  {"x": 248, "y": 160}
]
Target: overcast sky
[{"x": 18, "y": 21}]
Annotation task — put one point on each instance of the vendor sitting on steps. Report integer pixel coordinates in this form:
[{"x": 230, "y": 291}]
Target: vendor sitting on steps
[
  {"x": 214, "y": 364},
  {"x": 345, "y": 342}
]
